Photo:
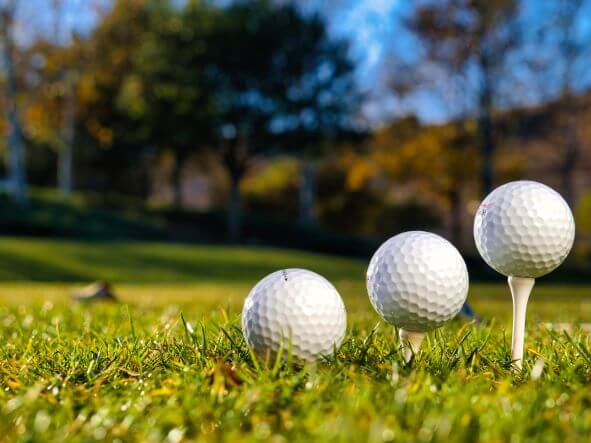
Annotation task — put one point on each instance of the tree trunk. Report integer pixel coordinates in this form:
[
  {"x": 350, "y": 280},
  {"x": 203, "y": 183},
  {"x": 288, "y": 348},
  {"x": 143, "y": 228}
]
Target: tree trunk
[
  {"x": 571, "y": 155},
  {"x": 235, "y": 158},
  {"x": 177, "y": 180},
  {"x": 488, "y": 148},
  {"x": 66, "y": 153},
  {"x": 16, "y": 148},
  {"x": 455, "y": 199},
  {"x": 307, "y": 193},
  {"x": 571, "y": 111},
  {"x": 485, "y": 128},
  {"x": 234, "y": 221},
  {"x": 570, "y": 116}
]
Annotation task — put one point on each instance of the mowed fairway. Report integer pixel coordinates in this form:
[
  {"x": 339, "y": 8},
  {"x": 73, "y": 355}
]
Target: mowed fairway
[{"x": 169, "y": 363}]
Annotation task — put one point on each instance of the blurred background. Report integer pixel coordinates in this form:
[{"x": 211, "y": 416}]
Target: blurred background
[{"x": 325, "y": 125}]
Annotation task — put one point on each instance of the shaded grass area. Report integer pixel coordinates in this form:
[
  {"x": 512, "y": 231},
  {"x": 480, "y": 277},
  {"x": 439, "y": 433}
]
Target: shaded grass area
[
  {"x": 128, "y": 261},
  {"x": 59, "y": 260}
]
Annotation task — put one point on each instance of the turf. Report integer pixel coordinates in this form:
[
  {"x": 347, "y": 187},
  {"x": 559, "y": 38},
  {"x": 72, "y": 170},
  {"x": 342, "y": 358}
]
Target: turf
[
  {"x": 27, "y": 259},
  {"x": 169, "y": 362}
]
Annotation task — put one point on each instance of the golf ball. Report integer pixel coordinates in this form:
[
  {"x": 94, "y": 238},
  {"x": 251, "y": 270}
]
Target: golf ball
[
  {"x": 524, "y": 229},
  {"x": 294, "y": 309},
  {"x": 417, "y": 281}
]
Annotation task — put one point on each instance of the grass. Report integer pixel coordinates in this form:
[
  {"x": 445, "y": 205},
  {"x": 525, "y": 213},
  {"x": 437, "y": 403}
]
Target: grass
[
  {"x": 169, "y": 363},
  {"x": 131, "y": 261}
]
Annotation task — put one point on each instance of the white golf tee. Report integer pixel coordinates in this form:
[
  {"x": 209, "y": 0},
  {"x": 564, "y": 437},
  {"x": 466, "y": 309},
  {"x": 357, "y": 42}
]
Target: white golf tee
[
  {"x": 520, "y": 290},
  {"x": 411, "y": 342}
]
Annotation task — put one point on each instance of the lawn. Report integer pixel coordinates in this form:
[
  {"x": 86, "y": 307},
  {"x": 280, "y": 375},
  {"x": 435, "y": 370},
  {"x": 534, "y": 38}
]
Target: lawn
[{"x": 169, "y": 362}]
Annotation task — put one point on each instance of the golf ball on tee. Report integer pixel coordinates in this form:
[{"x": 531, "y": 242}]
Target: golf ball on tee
[
  {"x": 417, "y": 281},
  {"x": 524, "y": 229},
  {"x": 294, "y": 309}
]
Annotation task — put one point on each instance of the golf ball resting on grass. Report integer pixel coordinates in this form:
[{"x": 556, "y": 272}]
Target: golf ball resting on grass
[
  {"x": 417, "y": 281},
  {"x": 297, "y": 311},
  {"x": 523, "y": 230}
]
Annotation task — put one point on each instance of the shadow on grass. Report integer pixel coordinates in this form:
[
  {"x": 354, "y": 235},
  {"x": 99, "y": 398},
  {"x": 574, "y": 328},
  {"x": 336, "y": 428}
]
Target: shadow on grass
[
  {"x": 54, "y": 260},
  {"x": 79, "y": 261},
  {"x": 17, "y": 268}
]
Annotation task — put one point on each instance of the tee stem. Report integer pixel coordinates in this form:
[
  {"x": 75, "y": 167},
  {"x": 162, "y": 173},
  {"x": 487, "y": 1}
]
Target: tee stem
[{"x": 520, "y": 291}]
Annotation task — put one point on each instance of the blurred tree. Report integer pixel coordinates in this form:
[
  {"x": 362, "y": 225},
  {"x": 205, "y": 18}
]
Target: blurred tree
[
  {"x": 51, "y": 117},
  {"x": 245, "y": 80},
  {"x": 472, "y": 38},
  {"x": 435, "y": 162},
  {"x": 114, "y": 138},
  {"x": 67, "y": 77},
  {"x": 272, "y": 188},
  {"x": 583, "y": 214},
  {"x": 16, "y": 147},
  {"x": 358, "y": 196},
  {"x": 281, "y": 84},
  {"x": 171, "y": 93}
]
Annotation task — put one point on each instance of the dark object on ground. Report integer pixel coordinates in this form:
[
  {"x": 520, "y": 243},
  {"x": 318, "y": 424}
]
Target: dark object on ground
[
  {"x": 99, "y": 291},
  {"x": 469, "y": 313}
]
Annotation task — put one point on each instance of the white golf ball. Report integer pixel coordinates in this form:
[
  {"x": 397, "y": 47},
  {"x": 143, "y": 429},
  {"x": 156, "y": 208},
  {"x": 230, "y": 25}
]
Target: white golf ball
[
  {"x": 417, "y": 281},
  {"x": 294, "y": 309},
  {"x": 524, "y": 229}
]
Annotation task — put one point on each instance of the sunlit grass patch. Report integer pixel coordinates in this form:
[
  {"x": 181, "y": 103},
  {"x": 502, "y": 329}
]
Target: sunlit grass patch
[{"x": 170, "y": 362}]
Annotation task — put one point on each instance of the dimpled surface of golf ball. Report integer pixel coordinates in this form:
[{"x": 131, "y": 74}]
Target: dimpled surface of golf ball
[
  {"x": 294, "y": 309},
  {"x": 524, "y": 229},
  {"x": 417, "y": 281}
]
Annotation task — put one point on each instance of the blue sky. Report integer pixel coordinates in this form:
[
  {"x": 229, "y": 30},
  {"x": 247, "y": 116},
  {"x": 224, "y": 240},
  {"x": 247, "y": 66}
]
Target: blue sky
[
  {"x": 383, "y": 47},
  {"x": 379, "y": 44},
  {"x": 37, "y": 16}
]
